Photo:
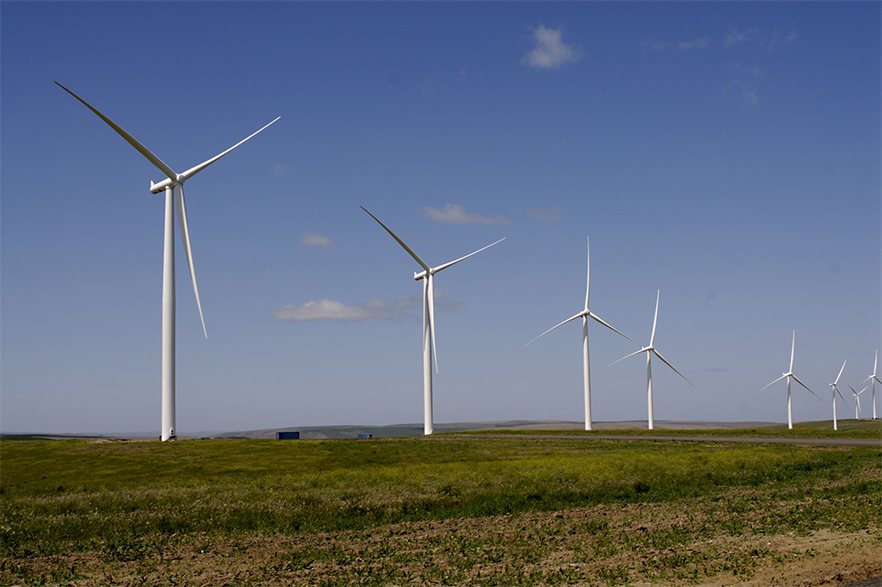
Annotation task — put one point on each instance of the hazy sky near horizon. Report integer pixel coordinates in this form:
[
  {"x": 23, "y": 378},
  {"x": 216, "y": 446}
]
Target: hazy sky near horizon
[{"x": 726, "y": 154}]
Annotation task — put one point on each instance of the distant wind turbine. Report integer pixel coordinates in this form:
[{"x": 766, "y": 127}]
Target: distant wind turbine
[
  {"x": 586, "y": 363},
  {"x": 427, "y": 275},
  {"x": 835, "y": 386},
  {"x": 873, "y": 379},
  {"x": 788, "y": 375},
  {"x": 857, "y": 401},
  {"x": 650, "y": 350},
  {"x": 173, "y": 182}
]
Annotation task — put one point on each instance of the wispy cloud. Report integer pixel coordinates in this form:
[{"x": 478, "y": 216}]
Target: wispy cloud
[
  {"x": 754, "y": 35},
  {"x": 666, "y": 47},
  {"x": 280, "y": 169},
  {"x": 751, "y": 35},
  {"x": 749, "y": 94},
  {"x": 315, "y": 240},
  {"x": 325, "y": 309},
  {"x": 544, "y": 214},
  {"x": 456, "y": 214},
  {"x": 374, "y": 309},
  {"x": 550, "y": 51}
]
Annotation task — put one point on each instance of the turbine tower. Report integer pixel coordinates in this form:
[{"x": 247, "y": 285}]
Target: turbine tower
[
  {"x": 835, "y": 386},
  {"x": 586, "y": 363},
  {"x": 873, "y": 379},
  {"x": 427, "y": 275},
  {"x": 174, "y": 182},
  {"x": 650, "y": 350},
  {"x": 788, "y": 375}
]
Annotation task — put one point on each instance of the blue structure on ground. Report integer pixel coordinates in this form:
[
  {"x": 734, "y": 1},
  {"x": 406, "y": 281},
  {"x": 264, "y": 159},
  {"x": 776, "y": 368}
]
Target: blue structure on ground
[{"x": 287, "y": 436}]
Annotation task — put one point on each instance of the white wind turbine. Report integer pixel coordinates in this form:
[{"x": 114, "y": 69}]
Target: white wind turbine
[
  {"x": 649, "y": 350},
  {"x": 788, "y": 375},
  {"x": 586, "y": 363},
  {"x": 427, "y": 275},
  {"x": 857, "y": 401},
  {"x": 873, "y": 379},
  {"x": 835, "y": 386},
  {"x": 173, "y": 182}
]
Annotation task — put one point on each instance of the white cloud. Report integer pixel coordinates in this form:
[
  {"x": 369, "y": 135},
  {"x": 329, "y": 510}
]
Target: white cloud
[
  {"x": 676, "y": 47},
  {"x": 779, "y": 39},
  {"x": 755, "y": 35},
  {"x": 455, "y": 214},
  {"x": 544, "y": 214},
  {"x": 550, "y": 51},
  {"x": 315, "y": 240},
  {"x": 696, "y": 44},
  {"x": 749, "y": 96},
  {"x": 375, "y": 309},
  {"x": 280, "y": 169},
  {"x": 331, "y": 310},
  {"x": 751, "y": 35}
]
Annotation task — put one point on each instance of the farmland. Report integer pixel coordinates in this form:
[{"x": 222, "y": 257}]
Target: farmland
[{"x": 448, "y": 509}]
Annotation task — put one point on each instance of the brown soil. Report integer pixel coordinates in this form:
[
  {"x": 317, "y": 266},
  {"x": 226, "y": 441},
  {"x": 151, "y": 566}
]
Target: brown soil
[{"x": 603, "y": 545}]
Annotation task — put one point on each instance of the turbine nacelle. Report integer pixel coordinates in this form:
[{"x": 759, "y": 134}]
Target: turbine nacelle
[{"x": 157, "y": 188}]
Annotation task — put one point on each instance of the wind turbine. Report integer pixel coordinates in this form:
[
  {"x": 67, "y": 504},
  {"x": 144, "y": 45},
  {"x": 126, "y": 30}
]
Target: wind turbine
[
  {"x": 586, "y": 363},
  {"x": 173, "y": 182},
  {"x": 650, "y": 350},
  {"x": 857, "y": 401},
  {"x": 835, "y": 386},
  {"x": 427, "y": 275},
  {"x": 788, "y": 375},
  {"x": 873, "y": 379}
]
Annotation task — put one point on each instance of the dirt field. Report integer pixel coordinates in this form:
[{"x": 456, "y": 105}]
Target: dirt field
[{"x": 499, "y": 550}]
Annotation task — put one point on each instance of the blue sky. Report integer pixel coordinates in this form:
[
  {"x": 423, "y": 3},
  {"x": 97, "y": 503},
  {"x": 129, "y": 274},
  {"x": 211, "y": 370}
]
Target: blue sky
[{"x": 726, "y": 154}]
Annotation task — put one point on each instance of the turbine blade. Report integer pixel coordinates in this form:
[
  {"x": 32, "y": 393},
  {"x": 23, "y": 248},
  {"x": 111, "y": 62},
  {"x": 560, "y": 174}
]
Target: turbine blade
[
  {"x": 775, "y": 381},
  {"x": 588, "y": 280},
  {"x": 129, "y": 138},
  {"x": 597, "y": 318},
  {"x": 643, "y": 350},
  {"x": 657, "y": 354},
  {"x": 792, "y": 351},
  {"x": 840, "y": 371},
  {"x": 446, "y": 265},
  {"x": 655, "y": 320},
  {"x": 400, "y": 242},
  {"x": 579, "y": 315},
  {"x": 804, "y": 385},
  {"x": 185, "y": 236},
  {"x": 194, "y": 170},
  {"x": 840, "y": 396},
  {"x": 430, "y": 283}
]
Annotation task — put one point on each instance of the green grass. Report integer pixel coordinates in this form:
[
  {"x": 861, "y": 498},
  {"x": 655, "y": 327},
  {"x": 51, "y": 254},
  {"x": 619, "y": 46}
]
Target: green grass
[
  {"x": 869, "y": 429},
  {"x": 125, "y": 497}
]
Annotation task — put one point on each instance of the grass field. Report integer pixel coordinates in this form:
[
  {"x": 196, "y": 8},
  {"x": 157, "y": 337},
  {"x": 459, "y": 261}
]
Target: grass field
[{"x": 512, "y": 510}]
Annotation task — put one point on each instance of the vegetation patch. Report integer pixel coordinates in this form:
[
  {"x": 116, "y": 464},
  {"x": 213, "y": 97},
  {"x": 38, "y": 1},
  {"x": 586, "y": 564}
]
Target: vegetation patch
[{"x": 441, "y": 509}]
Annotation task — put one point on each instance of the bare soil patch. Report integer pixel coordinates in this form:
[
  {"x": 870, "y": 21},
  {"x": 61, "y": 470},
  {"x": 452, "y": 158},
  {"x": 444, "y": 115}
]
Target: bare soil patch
[{"x": 636, "y": 544}]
